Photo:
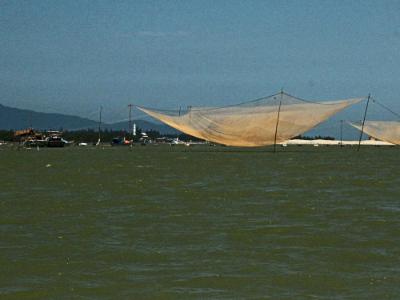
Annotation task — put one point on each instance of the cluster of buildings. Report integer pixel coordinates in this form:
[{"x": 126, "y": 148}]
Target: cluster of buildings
[{"x": 31, "y": 138}]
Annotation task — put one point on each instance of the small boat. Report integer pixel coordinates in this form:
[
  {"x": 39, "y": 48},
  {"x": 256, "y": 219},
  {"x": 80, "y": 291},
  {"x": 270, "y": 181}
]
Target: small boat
[
  {"x": 55, "y": 142},
  {"x": 54, "y": 139},
  {"x": 120, "y": 141}
]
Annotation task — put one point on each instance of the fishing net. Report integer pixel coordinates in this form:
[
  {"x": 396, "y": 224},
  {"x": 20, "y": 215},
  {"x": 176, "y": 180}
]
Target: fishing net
[
  {"x": 255, "y": 123},
  {"x": 388, "y": 131}
]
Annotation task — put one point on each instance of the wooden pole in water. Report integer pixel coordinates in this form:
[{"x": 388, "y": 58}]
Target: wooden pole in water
[
  {"x": 101, "y": 109},
  {"x": 130, "y": 119},
  {"x": 277, "y": 121},
  {"x": 130, "y": 129},
  {"x": 363, "y": 123}
]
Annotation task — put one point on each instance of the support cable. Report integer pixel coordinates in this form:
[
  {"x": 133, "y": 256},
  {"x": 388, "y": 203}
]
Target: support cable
[{"x": 385, "y": 107}]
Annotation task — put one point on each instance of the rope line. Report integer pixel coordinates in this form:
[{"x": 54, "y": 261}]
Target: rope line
[
  {"x": 385, "y": 107},
  {"x": 238, "y": 104},
  {"x": 309, "y": 101}
]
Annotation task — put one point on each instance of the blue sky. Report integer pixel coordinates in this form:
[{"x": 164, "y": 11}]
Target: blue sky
[{"x": 73, "y": 56}]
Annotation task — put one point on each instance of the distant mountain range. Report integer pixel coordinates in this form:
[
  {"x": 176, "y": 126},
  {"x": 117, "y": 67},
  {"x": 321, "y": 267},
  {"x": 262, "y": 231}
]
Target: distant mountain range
[{"x": 16, "y": 119}]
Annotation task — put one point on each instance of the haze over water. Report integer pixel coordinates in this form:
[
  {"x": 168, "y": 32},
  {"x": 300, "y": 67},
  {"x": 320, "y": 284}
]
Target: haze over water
[{"x": 201, "y": 223}]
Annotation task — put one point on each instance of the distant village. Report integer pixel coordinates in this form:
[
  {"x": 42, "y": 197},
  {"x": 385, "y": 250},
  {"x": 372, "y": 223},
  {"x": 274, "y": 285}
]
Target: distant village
[
  {"x": 59, "y": 138},
  {"x": 30, "y": 138}
]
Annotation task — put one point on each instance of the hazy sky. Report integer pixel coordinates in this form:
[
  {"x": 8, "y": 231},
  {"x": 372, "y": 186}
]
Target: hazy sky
[{"x": 72, "y": 56}]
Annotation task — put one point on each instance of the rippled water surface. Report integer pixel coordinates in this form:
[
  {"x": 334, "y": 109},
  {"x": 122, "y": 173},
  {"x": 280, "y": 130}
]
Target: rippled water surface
[{"x": 200, "y": 223}]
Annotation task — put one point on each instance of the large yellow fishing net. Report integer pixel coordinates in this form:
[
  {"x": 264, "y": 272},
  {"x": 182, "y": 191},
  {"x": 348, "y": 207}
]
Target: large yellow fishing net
[
  {"x": 256, "y": 123},
  {"x": 388, "y": 131}
]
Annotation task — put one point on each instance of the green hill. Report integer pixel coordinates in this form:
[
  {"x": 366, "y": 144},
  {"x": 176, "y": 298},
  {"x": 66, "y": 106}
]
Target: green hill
[{"x": 16, "y": 119}]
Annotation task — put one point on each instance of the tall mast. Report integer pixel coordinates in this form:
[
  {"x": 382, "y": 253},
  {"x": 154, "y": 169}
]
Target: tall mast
[
  {"x": 130, "y": 119},
  {"x": 363, "y": 123},
  {"x": 277, "y": 120},
  {"x": 100, "y": 112}
]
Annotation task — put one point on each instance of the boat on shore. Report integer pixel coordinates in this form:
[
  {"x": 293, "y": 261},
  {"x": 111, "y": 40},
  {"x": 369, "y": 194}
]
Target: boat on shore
[
  {"x": 31, "y": 138},
  {"x": 121, "y": 141},
  {"x": 55, "y": 140}
]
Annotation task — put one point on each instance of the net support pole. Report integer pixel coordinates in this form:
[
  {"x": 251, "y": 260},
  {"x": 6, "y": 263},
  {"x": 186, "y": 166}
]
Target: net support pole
[
  {"x": 130, "y": 128},
  {"x": 277, "y": 122},
  {"x": 100, "y": 112},
  {"x": 189, "y": 108},
  {"x": 363, "y": 123}
]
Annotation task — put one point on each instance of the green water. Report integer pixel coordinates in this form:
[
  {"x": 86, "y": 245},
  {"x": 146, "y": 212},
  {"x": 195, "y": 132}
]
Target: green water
[{"x": 200, "y": 223}]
